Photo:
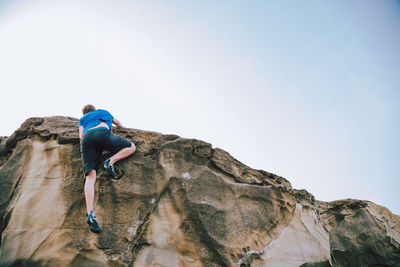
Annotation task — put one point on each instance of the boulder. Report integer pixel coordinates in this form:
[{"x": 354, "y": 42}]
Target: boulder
[{"x": 180, "y": 202}]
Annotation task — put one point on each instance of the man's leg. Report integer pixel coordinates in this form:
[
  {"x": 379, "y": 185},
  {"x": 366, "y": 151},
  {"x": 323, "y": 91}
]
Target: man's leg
[
  {"x": 123, "y": 153},
  {"x": 89, "y": 190},
  {"x": 89, "y": 196},
  {"x": 113, "y": 142}
]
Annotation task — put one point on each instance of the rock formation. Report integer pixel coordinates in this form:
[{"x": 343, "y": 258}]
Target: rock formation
[{"x": 180, "y": 202}]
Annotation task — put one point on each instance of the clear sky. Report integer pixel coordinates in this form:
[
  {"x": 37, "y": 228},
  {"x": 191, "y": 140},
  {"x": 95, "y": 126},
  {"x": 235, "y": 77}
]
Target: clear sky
[{"x": 308, "y": 90}]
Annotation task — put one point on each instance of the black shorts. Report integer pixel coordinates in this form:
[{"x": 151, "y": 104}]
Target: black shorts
[{"x": 94, "y": 142}]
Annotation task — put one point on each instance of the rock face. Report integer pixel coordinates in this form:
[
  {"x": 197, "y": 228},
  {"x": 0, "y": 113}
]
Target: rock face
[{"x": 180, "y": 203}]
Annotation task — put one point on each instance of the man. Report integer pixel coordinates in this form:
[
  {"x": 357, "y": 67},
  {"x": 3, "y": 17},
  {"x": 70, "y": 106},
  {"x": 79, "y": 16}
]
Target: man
[{"x": 95, "y": 135}]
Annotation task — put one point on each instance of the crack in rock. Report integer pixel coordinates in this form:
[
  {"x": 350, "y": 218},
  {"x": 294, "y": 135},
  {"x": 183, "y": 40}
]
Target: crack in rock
[{"x": 141, "y": 229}]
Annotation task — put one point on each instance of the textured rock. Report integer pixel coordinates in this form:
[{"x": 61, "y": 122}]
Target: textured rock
[{"x": 180, "y": 203}]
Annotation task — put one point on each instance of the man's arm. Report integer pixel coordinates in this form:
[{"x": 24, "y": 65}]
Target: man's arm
[
  {"x": 80, "y": 132},
  {"x": 116, "y": 122}
]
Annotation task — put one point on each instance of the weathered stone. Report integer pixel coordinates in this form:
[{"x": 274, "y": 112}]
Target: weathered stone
[
  {"x": 179, "y": 203},
  {"x": 362, "y": 233},
  {"x": 242, "y": 173}
]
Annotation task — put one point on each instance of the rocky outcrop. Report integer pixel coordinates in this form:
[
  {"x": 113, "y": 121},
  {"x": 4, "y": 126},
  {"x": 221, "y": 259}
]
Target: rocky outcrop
[{"x": 180, "y": 203}]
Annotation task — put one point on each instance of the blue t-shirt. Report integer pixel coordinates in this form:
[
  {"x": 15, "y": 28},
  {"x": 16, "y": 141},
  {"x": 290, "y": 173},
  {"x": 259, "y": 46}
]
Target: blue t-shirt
[{"x": 94, "y": 117}]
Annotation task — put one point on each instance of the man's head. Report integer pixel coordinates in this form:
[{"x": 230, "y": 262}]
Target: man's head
[{"x": 87, "y": 109}]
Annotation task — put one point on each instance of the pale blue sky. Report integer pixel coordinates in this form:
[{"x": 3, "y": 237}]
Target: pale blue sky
[{"x": 308, "y": 90}]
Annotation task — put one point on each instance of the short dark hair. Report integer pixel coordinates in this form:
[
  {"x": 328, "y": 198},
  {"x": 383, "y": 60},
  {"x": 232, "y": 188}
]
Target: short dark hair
[{"x": 87, "y": 109}]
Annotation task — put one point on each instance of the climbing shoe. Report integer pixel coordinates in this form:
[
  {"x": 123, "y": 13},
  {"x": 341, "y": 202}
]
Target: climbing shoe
[
  {"x": 109, "y": 167},
  {"x": 93, "y": 224}
]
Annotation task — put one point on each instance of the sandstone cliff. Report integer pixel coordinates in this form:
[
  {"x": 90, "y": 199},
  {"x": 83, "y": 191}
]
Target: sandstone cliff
[{"x": 180, "y": 203}]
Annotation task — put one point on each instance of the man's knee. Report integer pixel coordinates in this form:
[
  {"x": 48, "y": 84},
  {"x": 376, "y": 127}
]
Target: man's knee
[
  {"x": 91, "y": 176},
  {"x": 133, "y": 147}
]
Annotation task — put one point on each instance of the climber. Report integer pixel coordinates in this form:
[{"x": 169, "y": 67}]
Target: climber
[{"x": 95, "y": 135}]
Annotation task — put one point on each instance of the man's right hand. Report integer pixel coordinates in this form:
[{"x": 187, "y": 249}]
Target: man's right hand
[{"x": 117, "y": 123}]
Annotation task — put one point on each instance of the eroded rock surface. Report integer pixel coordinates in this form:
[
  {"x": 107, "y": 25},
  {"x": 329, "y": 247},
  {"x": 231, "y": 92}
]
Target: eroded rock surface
[{"x": 180, "y": 203}]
